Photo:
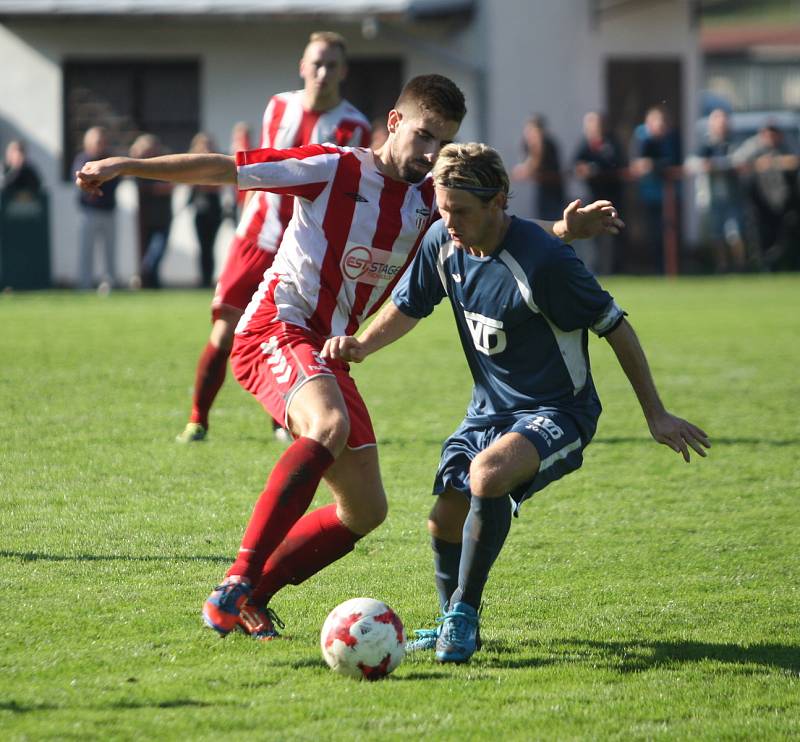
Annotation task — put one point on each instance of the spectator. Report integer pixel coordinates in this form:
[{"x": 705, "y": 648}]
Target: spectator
[
  {"x": 599, "y": 163},
  {"x": 20, "y": 179},
  {"x": 655, "y": 149},
  {"x": 719, "y": 194},
  {"x": 155, "y": 214},
  {"x": 96, "y": 215},
  {"x": 207, "y": 213},
  {"x": 542, "y": 166},
  {"x": 770, "y": 172}
]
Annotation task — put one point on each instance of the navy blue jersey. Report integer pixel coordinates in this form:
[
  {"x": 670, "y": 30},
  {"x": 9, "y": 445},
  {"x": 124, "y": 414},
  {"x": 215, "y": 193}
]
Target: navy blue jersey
[{"x": 522, "y": 315}]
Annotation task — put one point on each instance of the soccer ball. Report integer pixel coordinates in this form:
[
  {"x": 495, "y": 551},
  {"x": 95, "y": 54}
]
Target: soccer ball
[{"x": 363, "y": 638}]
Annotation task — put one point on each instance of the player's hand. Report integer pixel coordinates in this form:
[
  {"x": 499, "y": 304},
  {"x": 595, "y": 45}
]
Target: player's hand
[
  {"x": 344, "y": 348},
  {"x": 583, "y": 222},
  {"x": 93, "y": 174},
  {"x": 679, "y": 434}
]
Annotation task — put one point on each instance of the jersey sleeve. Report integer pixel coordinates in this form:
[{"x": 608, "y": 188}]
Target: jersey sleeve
[
  {"x": 298, "y": 171},
  {"x": 422, "y": 286},
  {"x": 570, "y": 296}
]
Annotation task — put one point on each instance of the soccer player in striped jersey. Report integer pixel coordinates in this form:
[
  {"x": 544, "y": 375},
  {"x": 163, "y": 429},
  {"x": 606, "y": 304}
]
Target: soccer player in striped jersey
[
  {"x": 358, "y": 219},
  {"x": 523, "y": 304},
  {"x": 317, "y": 113}
]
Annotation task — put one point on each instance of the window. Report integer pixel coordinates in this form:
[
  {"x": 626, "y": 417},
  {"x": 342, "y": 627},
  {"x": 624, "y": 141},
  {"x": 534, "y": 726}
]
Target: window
[{"x": 130, "y": 98}]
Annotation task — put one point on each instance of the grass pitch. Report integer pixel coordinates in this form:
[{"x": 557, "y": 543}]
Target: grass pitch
[{"x": 639, "y": 598}]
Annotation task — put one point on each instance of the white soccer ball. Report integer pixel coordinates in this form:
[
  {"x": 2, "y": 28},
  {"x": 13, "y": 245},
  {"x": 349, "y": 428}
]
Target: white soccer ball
[{"x": 363, "y": 638}]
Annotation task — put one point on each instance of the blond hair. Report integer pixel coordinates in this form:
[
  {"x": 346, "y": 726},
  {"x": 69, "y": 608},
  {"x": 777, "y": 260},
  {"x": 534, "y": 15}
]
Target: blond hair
[
  {"x": 331, "y": 38},
  {"x": 472, "y": 167}
]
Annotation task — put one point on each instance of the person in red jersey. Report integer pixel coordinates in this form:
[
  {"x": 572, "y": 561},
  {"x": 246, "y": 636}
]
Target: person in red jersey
[
  {"x": 317, "y": 113},
  {"x": 358, "y": 220}
]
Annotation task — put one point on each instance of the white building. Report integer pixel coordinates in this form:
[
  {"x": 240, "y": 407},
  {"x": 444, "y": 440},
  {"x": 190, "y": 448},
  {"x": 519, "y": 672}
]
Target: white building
[{"x": 176, "y": 66}]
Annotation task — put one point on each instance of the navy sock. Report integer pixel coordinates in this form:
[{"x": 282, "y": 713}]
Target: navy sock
[
  {"x": 446, "y": 558},
  {"x": 485, "y": 531}
]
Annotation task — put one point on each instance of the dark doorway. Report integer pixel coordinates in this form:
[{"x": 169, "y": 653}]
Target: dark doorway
[
  {"x": 633, "y": 85},
  {"x": 373, "y": 84}
]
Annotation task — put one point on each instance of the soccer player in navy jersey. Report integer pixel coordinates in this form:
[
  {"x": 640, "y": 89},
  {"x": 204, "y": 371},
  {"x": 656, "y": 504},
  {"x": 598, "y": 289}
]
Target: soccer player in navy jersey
[
  {"x": 523, "y": 304},
  {"x": 359, "y": 217}
]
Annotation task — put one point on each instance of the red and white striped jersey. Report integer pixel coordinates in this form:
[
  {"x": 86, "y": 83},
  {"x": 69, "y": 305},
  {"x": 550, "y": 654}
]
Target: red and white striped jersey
[
  {"x": 287, "y": 124},
  {"x": 352, "y": 234}
]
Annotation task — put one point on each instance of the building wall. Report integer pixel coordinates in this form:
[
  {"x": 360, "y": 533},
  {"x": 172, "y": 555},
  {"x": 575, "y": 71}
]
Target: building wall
[
  {"x": 240, "y": 67},
  {"x": 516, "y": 58}
]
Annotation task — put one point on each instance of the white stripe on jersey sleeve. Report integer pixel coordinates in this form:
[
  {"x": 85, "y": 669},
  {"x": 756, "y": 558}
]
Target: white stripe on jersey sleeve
[
  {"x": 288, "y": 172},
  {"x": 610, "y": 316},
  {"x": 569, "y": 343}
]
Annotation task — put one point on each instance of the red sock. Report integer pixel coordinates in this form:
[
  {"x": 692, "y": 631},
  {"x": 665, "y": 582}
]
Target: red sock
[
  {"x": 208, "y": 381},
  {"x": 316, "y": 540},
  {"x": 289, "y": 491}
]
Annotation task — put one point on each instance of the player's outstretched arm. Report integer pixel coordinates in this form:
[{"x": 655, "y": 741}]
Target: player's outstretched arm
[
  {"x": 582, "y": 222},
  {"x": 390, "y": 325},
  {"x": 195, "y": 169},
  {"x": 679, "y": 434}
]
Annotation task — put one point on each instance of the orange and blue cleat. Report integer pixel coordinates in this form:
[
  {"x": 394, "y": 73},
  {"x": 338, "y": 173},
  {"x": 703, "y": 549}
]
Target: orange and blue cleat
[
  {"x": 259, "y": 623},
  {"x": 221, "y": 609}
]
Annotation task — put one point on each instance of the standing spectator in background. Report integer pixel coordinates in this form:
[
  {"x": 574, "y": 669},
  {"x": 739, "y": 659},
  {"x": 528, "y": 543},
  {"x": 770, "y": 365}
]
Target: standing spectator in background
[
  {"x": 207, "y": 213},
  {"x": 96, "y": 215},
  {"x": 719, "y": 193},
  {"x": 770, "y": 171},
  {"x": 542, "y": 166},
  {"x": 315, "y": 114},
  {"x": 20, "y": 179},
  {"x": 241, "y": 141},
  {"x": 655, "y": 149},
  {"x": 155, "y": 214},
  {"x": 599, "y": 163}
]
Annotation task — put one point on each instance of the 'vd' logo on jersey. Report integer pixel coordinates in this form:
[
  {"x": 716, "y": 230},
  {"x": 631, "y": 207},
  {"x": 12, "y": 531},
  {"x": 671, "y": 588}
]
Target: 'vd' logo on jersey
[{"x": 487, "y": 334}]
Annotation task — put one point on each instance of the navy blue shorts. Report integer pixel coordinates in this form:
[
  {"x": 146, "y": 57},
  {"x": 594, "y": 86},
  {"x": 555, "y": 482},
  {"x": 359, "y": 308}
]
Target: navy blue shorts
[{"x": 553, "y": 432}]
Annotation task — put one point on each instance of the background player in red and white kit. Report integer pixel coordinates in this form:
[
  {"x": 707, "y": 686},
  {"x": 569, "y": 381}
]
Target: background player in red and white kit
[
  {"x": 317, "y": 113},
  {"x": 359, "y": 217}
]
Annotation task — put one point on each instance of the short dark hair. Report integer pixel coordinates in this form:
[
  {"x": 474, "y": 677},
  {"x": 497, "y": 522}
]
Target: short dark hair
[{"x": 435, "y": 94}]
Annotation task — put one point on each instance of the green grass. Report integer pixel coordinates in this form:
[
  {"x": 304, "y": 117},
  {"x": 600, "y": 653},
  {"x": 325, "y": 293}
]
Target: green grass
[{"x": 639, "y": 598}]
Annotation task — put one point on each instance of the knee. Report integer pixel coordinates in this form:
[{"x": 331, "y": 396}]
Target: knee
[
  {"x": 366, "y": 518},
  {"x": 223, "y": 329},
  {"x": 331, "y": 429},
  {"x": 445, "y": 526},
  {"x": 485, "y": 476}
]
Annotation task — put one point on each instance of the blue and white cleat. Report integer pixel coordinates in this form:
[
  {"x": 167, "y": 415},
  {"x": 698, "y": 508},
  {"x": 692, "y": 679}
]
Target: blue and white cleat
[
  {"x": 458, "y": 634},
  {"x": 424, "y": 639}
]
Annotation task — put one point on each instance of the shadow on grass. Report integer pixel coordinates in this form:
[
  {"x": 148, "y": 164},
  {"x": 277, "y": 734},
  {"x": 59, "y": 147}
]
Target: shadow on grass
[
  {"x": 640, "y": 656},
  {"x": 33, "y": 556},
  {"x": 444, "y": 674},
  {"x": 25, "y": 708},
  {"x": 173, "y": 703}
]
